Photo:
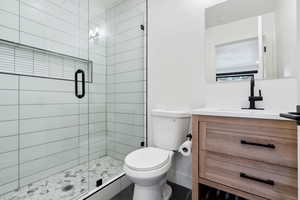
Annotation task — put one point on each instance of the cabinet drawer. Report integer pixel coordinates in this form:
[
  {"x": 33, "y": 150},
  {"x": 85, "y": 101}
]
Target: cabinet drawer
[
  {"x": 249, "y": 143},
  {"x": 265, "y": 180}
]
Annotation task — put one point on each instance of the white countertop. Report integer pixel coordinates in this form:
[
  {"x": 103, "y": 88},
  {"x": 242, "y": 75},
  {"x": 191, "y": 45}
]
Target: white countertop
[{"x": 224, "y": 112}]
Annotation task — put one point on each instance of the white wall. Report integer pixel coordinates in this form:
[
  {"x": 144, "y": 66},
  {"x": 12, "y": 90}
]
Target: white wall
[
  {"x": 286, "y": 36},
  {"x": 176, "y": 75},
  {"x": 279, "y": 95},
  {"x": 298, "y": 50},
  {"x": 176, "y": 42}
]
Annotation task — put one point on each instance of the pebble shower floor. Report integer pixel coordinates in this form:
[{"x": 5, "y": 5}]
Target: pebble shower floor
[{"x": 69, "y": 184}]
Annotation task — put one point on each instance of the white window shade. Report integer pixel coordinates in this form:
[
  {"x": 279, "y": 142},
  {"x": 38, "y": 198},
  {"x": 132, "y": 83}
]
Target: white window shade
[{"x": 237, "y": 57}]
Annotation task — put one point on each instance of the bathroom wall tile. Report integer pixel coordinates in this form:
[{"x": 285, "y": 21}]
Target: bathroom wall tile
[
  {"x": 116, "y": 155},
  {"x": 120, "y": 148},
  {"x": 8, "y": 113},
  {"x": 126, "y": 108},
  {"x": 38, "y": 165},
  {"x": 8, "y": 175},
  {"x": 129, "y": 87},
  {"x": 126, "y": 118},
  {"x": 97, "y": 98},
  {"x": 8, "y": 128},
  {"x": 129, "y": 129},
  {"x": 53, "y": 123},
  {"x": 9, "y": 20},
  {"x": 8, "y": 159},
  {"x": 9, "y": 34},
  {"x": 9, "y": 186},
  {"x": 44, "y": 137},
  {"x": 126, "y": 45},
  {"x": 39, "y": 124},
  {"x": 47, "y": 172},
  {"x": 41, "y": 84},
  {"x": 50, "y": 123},
  {"x": 125, "y": 57},
  {"x": 97, "y": 117},
  {"x": 38, "y": 111},
  {"x": 11, "y": 6},
  {"x": 129, "y": 98},
  {"x": 97, "y": 127},
  {"x": 8, "y": 144},
  {"x": 8, "y": 97},
  {"x": 124, "y": 139},
  {"x": 43, "y": 97},
  {"x": 8, "y": 82},
  {"x": 129, "y": 76},
  {"x": 40, "y": 151}
]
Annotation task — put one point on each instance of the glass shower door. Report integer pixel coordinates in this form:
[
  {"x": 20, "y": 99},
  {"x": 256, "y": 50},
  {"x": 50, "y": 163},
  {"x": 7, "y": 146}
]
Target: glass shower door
[
  {"x": 51, "y": 145},
  {"x": 44, "y": 147},
  {"x": 44, "y": 138}
]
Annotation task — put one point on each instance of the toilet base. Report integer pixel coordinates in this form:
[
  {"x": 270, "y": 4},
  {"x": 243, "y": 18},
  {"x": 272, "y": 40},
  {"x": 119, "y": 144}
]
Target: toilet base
[
  {"x": 167, "y": 192},
  {"x": 154, "y": 192}
]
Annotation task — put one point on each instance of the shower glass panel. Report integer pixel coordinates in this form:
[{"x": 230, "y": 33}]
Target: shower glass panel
[
  {"x": 42, "y": 154},
  {"x": 117, "y": 93},
  {"x": 72, "y": 88}
]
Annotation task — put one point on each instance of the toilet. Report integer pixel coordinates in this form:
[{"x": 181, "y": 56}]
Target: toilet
[{"x": 147, "y": 168}]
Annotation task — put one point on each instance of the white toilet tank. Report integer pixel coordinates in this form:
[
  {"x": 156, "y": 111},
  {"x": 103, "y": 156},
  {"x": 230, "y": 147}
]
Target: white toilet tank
[{"x": 169, "y": 128}]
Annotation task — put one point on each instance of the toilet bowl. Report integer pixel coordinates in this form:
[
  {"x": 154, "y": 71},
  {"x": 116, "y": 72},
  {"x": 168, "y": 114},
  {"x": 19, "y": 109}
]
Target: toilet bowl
[{"x": 148, "y": 168}]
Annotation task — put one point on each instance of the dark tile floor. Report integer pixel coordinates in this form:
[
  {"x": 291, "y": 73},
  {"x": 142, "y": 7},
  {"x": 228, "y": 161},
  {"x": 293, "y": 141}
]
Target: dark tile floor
[{"x": 179, "y": 193}]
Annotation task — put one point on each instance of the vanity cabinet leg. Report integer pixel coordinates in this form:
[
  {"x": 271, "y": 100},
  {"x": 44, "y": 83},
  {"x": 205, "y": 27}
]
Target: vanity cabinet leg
[
  {"x": 195, "y": 192},
  {"x": 195, "y": 158}
]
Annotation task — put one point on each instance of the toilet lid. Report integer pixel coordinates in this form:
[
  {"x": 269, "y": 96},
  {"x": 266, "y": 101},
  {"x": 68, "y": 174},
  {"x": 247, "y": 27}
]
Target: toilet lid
[{"x": 147, "y": 159}]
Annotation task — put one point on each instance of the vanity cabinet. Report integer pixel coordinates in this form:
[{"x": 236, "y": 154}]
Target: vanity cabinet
[{"x": 251, "y": 158}]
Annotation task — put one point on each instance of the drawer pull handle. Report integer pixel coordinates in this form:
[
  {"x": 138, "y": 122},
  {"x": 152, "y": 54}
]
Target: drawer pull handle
[
  {"x": 271, "y": 146},
  {"x": 268, "y": 182}
]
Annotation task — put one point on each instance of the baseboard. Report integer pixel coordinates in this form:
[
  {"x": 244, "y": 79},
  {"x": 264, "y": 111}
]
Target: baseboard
[
  {"x": 110, "y": 190},
  {"x": 180, "y": 179}
]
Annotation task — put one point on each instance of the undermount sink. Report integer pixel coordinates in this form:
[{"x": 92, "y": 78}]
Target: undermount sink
[{"x": 235, "y": 112}]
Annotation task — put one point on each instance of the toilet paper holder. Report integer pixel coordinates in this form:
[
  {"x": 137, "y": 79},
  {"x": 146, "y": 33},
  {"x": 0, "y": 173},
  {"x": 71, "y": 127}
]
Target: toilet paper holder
[{"x": 189, "y": 136}]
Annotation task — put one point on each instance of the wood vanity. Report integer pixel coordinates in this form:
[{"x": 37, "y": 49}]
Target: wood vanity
[{"x": 248, "y": 157}]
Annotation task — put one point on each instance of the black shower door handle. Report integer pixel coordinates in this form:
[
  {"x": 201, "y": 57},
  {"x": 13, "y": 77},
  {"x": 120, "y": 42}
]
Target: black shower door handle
[{"x": 77, "y": 73}]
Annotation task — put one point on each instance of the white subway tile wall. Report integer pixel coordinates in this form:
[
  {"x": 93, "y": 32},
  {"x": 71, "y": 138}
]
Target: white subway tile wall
[
  {"x": 125, "y": 88},
  {"x": 17, "y": 59},
  {"x": 56, "y": 25},
  {"x": 45, "y": 129}
]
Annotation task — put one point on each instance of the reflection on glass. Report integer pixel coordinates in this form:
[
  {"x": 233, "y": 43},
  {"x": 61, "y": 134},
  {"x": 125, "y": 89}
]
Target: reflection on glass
[{"x": 251, "y": 35}]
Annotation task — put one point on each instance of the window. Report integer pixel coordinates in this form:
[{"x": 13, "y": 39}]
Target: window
[{"x": 237, "y": 60}]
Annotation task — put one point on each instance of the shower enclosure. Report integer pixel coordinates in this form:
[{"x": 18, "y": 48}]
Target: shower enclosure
[{"x": 73, "y": 94}]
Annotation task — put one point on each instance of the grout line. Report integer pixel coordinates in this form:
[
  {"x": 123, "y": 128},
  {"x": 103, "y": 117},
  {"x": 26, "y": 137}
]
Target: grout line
[
  {"x": 47, "y": 13},
  {"x": 126, "y": 61},
  {"x": 49, "y": 155}
]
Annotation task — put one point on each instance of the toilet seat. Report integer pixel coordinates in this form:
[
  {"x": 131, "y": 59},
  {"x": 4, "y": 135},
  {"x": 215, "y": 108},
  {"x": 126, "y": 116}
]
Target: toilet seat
[{"x": 147, "y": 159}]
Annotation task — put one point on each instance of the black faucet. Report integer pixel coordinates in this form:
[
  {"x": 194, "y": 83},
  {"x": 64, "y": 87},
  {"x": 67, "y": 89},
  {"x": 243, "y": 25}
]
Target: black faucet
[{"x": 252, "y": 98}]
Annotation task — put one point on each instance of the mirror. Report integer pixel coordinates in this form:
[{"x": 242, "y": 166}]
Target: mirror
[{"x": 246, "y": 38}]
